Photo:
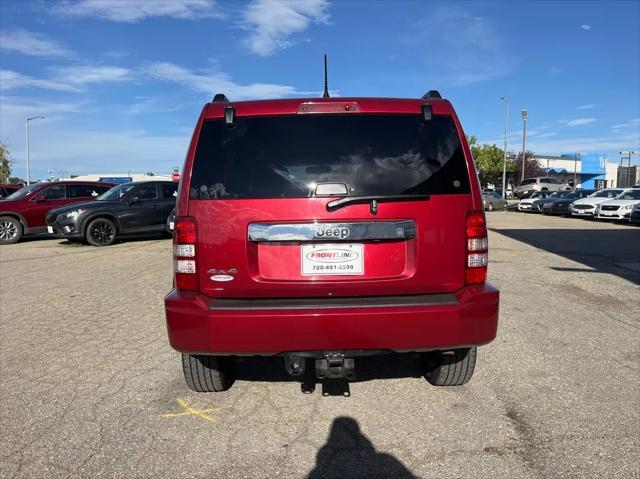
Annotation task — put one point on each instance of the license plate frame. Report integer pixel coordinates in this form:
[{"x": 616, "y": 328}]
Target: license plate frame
[
  {"x": 50, "y": 229},
  {"x": 332, "y": 259}
]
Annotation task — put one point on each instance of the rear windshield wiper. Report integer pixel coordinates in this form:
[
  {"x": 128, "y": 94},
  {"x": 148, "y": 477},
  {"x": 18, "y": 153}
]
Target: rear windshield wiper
[{"x": 373, "y": 200}]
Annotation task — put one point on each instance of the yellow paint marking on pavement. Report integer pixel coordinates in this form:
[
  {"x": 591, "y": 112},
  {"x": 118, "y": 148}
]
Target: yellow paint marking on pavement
[{"x": 190, "y": 411}]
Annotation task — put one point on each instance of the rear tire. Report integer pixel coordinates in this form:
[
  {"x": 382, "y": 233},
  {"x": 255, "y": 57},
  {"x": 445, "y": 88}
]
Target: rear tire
[
  {"x": 11, "y": 230},
  {"x": 205, "y": 374},
  {"x": 450, "y": 368},
  {"x": 101, "y": 232}
]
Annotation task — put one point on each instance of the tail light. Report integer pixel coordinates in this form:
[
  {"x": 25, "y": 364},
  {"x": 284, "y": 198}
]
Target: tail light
[
  {"x": 184, "y": 253},
  {"x": 477, "y": 248}
]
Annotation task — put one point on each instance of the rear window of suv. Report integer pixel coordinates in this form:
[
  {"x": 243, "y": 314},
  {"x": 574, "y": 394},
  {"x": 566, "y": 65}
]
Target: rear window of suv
[{"x": 287, "y": 156}]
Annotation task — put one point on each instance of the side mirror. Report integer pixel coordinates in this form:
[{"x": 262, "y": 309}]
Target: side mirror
[
  {"x": 40, "y": 199},
  {"x": 133, "y": 200}
]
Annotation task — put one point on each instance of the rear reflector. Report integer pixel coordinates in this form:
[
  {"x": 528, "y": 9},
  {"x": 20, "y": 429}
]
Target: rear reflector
[
  {"x": 476, "y": 260},
  {"x": 329, "y": 107},
  {"x": 184, "y": 250},
  {"x": 477, "y": 245},
  {"x": 185, "y": 266}
]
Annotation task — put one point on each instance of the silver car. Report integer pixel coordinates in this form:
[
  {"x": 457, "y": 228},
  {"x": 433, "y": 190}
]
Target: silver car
[
  {"x": 493, "y": 201},
  {"x": 541, "y": 183}
]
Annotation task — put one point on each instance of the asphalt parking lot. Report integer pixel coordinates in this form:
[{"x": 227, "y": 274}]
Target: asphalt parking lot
[{"x": 90, "y": 386}]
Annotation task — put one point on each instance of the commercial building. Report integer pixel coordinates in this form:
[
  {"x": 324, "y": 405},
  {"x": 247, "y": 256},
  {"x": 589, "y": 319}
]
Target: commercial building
[{"x": 591, "y": 170}]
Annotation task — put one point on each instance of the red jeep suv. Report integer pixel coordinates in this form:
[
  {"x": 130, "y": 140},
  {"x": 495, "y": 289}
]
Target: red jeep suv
[
  {"x": 23, "y": 212},
  {"x": 325, "y": 229}
]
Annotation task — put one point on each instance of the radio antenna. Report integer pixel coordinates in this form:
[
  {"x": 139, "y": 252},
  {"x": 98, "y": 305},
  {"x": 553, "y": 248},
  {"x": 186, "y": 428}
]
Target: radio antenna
[{"x": 326, "y": 81}]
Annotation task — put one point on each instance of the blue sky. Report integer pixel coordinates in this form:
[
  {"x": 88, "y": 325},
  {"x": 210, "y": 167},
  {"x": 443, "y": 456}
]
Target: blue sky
[{"x": 121, "y": 83}]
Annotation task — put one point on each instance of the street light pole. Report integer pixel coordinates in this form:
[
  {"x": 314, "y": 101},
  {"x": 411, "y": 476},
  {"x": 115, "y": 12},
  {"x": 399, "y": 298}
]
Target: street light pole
[
  {"x": 26, "y": 134},
  {"x": 524, "y": 115},
  {"x": 504, "y": 163}
]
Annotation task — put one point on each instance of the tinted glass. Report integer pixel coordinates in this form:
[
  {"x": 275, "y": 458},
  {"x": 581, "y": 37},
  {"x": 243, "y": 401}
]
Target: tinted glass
[
  {"x": 286, "y": 156},
  {"x": 169, "y": 190},
  {"x": 26, "y": 191},
  {"x": 629, "y": 195},
  {"x": 116, "y": 193},
  {"x": 146, "y": 191},
  {"x": 84, "y": 191},
  {"x": 607, "y": 194},
  {"x": 54, "y": 193},
  {"x": 528, "y": 182}
]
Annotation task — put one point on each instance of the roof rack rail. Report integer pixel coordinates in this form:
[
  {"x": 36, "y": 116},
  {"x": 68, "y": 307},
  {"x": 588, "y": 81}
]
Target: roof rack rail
[
  {"x": 431, "y": 94},
  {"x": 220, "y": 98}
]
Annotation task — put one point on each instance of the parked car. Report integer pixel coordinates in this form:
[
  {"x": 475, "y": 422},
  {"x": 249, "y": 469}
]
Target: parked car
[
  {"x": 620, "y": 207},
  {"x": 537, "y": 205},
  {"x": 526, "y": 203},
  {"x": 634, "y": 217},
  {"x": 136, "y": 208},
  {"x": 373, "y": 240},
  {"x": 562, "y": 206},
  {"x": 8, "y": 189},
  {"x": 587, "y": 206},
  {"x": 23, "y": 212},
  {"x": 543, "y": 183},
  {"x": 493, "y": 201}
]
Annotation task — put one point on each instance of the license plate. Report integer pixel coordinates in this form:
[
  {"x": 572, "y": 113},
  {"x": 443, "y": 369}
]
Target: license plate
[
  {"x": 50, "y": 229},
  {"x": 332, "y": 259},
  {"x": 171, "y": 225}
]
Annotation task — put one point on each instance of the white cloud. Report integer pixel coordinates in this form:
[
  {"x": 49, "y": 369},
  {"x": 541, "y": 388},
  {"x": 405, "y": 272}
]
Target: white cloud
[
  {"x": 587, "y": 107},
  {"x": 134, "y": 10},
  {"x": 580, "y": 121},
  {"x": 547, "y": 135},
  {"x": 584, "y": 26},
  {"x": 29, "y": 43},
  {"x": 462, "y": 49},
  {"x": 82, "y": 75},
  {"x": 70, "y": 79},
  {"x": 10, "y": 80},
  {"x": 273, "y": 22},
  {"x": 218, "y": 82},
  {"x": 617, "y": 142},
  {"x": 633, "y": 122}
]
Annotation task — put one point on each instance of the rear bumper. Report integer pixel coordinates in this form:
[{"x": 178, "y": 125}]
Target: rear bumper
[{"x": 468, "y": 317}]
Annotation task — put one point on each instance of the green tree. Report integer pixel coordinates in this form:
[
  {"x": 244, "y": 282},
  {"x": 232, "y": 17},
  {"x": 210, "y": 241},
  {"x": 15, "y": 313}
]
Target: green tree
[
  {"x": 5, "y": 163},
  {"x": 489, "y": 160}
]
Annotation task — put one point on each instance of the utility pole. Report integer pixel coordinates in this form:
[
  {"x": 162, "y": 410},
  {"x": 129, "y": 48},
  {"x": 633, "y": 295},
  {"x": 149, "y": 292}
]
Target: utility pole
[
  {"x": 524, "y": 114},
  {"x": 26, "y": 134},
  {"x": 627, "y": 177},
  {"x": 504, "y": 163}
]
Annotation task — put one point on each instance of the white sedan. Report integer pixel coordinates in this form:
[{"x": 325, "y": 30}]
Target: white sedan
[
  {"x": 587, "y": 206},
  {"x": 620, "y": 207}
]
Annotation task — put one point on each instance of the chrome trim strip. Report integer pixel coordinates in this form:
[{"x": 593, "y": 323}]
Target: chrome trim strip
[
  {"x": 364, "y": 230},
  {"x": 252, "y": 304}
]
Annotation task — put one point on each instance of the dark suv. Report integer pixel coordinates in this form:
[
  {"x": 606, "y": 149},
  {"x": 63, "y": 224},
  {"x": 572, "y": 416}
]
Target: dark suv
[
  {"x": 321, "y": 230},
  {"x": 136, "y": 208},
  {"x": 23, "y": 212}
]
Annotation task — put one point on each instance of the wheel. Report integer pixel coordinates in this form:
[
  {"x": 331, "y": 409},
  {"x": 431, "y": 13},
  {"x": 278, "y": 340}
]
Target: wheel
[
  {"x": 450, "y": 368},
  {"x": 205, "y": 374},
  {"x": 490, "y": 207},
  {"x": 10, "y": 230},
  {"x": 101, "y": 232}
]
